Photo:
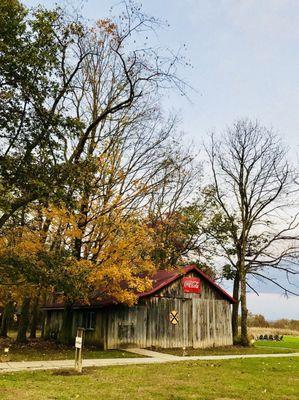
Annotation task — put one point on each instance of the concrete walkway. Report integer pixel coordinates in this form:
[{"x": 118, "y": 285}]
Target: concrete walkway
[{"x": 151, "y": 357}]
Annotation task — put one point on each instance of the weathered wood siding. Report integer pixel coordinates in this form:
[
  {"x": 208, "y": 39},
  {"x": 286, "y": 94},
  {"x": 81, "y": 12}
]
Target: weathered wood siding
[
  {"x": 53, "y": 324},
  {"x": 94, "y": 336}
]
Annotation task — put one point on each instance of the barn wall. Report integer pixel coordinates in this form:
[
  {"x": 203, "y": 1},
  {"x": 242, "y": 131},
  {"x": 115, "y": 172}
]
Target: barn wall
[
  {"x": 204, "y": 320},
  {"x": 53, "y": 324},
  {"x": 175, "y": 290},
  {"x": 94, "y": 336},
  {"x": 211, "y": 323}
]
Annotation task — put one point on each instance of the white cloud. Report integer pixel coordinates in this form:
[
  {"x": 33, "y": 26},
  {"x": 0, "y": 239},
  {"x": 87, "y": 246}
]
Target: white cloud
[{"x": 274, "y": 306}]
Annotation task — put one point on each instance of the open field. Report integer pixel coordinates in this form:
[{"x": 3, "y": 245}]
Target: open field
[
  {"x": 267, "y": 379},
  {"x": 290, "y": 342},
  {"x": 255, "y": 331}
]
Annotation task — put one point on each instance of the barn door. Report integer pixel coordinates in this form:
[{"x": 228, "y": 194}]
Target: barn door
[
  {"x": 169, "y": 323},
  {"x": 127, "y": 327}
]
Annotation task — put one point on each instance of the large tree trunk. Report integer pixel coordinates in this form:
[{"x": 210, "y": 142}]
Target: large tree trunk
[
  {"x": 34, "y": 317},
  {"x": 24, "y": 320},
  {"x": 65, "y": 334},
  {"x": 235, "y": 311},
  {"x": 43, "y": 316},
  {"x": 6, "y": 318},
  {"x": 244, "y": 311}
]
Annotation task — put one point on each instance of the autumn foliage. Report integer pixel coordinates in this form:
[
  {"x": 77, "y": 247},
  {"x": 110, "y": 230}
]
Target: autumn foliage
[{"x": 86, "y": 155}]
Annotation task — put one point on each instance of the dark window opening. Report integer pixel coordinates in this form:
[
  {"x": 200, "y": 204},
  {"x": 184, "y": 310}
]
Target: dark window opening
[{"x": 89, "y": 320}]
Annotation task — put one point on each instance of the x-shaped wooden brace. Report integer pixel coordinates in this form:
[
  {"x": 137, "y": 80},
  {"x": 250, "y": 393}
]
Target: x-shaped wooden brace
[{"x": 174, "y": 317}]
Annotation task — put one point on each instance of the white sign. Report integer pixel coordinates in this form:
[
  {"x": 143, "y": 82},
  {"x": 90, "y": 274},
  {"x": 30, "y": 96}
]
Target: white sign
[{"x": 78, "y": 342}]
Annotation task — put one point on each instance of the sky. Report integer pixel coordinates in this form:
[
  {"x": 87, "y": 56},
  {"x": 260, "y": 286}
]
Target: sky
[{"x": 245, "y": 60}]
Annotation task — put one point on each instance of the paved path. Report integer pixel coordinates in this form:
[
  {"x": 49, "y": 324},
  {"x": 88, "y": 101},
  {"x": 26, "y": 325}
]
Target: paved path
[{"x": 151, "y": 358}]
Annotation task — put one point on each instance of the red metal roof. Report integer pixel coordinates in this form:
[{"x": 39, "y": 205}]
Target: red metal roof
[{"x": 161, "y": 279}]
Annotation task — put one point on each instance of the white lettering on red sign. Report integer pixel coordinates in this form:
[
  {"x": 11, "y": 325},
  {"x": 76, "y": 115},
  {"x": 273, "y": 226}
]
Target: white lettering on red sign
[{"x": 191, "y": 285}]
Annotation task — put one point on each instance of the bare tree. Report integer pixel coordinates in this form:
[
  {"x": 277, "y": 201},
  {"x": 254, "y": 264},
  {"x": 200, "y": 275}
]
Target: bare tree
[
  {"x": 44, "y": 133},
  {"x": 81, "y": 128},
  {"x": 259, "y": 224}
]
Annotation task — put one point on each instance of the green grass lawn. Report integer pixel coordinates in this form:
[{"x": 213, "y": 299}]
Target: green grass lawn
[
  {"x": 39, "y": 349},
  {"x": 63, "y": 353},
  {"x": 42, "y": 350},
  {"x": 216, "y": 351},
  {"x": 28, "y": 354},
  {"x": 245, "y": 379},
  {"x": 289, "y": 342}
]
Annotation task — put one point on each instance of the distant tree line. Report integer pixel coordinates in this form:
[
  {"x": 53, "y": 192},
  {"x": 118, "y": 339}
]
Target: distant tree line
[{"x": 259, "y": 321}]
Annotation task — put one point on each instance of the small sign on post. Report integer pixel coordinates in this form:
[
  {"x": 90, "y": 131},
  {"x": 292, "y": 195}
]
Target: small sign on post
[
  {"x": 78, "y": 342},
  {"x": 78, "y": 349}
]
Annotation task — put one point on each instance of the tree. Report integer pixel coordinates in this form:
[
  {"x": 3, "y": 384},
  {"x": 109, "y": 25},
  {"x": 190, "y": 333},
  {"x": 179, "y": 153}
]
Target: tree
[
  {"x": 51, "y": 69},
  {"x": 7, "y": 316},
  {"x": 257, "y": 320},
  {"x": 258, "y": 226},
  {"x": 173, "y": 213},
  {"x": 84, "y": 148}
]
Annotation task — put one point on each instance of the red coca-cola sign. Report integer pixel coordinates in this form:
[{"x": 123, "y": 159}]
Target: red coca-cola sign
[{"x": 191, "y": 284}]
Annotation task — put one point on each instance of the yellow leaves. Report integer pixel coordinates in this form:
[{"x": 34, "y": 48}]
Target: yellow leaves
[
  {"x": 62, "y": 217},
  {"x": 123, "y": 265},
  {"x": 64, "y": 224},
  {"x": 21, "y": 242},
  {"x": 116, "y": 246}
]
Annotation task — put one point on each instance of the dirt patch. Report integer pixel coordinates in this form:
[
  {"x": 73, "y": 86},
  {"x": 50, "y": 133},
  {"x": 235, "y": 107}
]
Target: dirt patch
[{"x": 72, "y": 372}]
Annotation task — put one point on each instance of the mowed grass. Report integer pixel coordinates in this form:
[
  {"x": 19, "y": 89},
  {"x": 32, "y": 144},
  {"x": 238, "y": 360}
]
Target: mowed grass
[
  {"x": 218, "y": 351},
  {"x": 245, "y": 379},
  {"x": 38, "y": 349},
  {"x": 29, "y": 354},
  {"x": 63, "y": 353},
  {"x": 289, "y": 342},
  {"x": 43, "y": 350}
]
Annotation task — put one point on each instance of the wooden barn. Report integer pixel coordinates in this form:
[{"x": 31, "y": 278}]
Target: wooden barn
[{"x": 184, "y": 308}]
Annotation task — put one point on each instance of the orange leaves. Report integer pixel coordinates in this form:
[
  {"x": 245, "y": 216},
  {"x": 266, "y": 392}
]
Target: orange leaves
[
  {"x": 107, "y": 26},
  {"x": 105, "y": 31}
]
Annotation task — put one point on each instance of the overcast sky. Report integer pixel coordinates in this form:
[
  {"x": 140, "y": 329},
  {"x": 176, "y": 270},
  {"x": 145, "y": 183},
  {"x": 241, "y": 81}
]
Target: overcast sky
[{"x": 245, "y": 58}]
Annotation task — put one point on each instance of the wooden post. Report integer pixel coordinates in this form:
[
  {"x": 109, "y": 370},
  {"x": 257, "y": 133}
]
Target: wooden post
[{"x": 78, "y": 349}]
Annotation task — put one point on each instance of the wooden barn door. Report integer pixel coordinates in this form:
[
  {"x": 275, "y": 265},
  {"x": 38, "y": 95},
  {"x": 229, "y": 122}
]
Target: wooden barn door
[{"x": 169, "y": 323}]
